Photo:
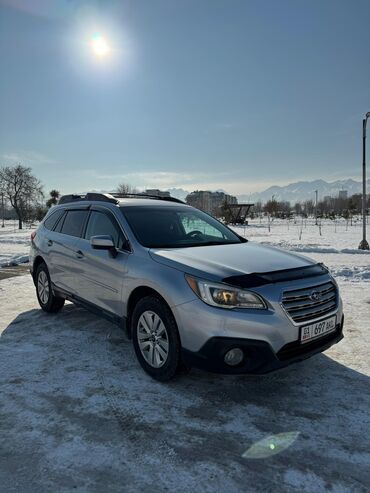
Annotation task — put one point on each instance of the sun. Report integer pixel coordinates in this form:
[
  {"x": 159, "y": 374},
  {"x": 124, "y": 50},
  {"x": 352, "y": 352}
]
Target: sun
[{"x": 100, "y": 46}]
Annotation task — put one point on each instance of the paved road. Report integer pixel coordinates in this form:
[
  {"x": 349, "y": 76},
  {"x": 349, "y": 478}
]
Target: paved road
[{"x": 77, "y": 413}]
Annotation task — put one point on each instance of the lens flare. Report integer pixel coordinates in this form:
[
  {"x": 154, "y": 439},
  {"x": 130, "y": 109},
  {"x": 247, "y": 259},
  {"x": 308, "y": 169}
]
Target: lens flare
[
  {"x": 271, "y": 445},
  {"x": 100, "y": 46}
]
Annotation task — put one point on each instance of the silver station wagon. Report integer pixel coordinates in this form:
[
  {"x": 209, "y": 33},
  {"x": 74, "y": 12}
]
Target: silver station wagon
[{"x": 186, "y": 289}]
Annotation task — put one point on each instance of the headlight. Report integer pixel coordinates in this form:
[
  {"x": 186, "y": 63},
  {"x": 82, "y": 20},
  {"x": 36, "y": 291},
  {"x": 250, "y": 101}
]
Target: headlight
[{"x": 224, "y": 296}]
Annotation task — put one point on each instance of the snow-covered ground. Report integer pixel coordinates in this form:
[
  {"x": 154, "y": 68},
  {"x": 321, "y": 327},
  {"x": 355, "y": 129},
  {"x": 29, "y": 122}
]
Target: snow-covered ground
[
  {"x": 336, "y": 246},
  {"x": 77, "y": 413},
  {"x": 14, "y": 244}
]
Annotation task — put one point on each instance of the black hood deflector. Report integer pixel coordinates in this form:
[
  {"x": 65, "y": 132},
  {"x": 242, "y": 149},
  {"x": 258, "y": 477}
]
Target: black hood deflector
[{"x": 255, "y": 280}]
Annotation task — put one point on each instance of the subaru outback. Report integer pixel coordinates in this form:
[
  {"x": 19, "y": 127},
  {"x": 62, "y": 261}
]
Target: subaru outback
[{"x": 188, "y": 291}]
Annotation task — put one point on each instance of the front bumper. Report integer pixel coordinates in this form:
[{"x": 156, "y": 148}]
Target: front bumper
[{"x": 259, "y": 356}]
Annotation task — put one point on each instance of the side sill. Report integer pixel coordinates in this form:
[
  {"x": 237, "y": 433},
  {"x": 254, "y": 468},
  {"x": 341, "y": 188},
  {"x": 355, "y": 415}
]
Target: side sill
[{"x": 91, "y": 307}]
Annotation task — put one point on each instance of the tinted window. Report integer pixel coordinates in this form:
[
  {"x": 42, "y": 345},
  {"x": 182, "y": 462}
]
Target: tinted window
[
  {"x": 171, "y": 227},
  {"x": 59, "y": 225},
  {"x": 73, "y": 223},
  {"x": 101, "y": 224},
  {"x": 53, "y": 218}
]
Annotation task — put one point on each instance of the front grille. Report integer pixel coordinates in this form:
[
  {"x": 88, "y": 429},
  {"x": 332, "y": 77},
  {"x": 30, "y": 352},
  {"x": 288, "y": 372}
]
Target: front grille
[{"x": 310, "y": 303}]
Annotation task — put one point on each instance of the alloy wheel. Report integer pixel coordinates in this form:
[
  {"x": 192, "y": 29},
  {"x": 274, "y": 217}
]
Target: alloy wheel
[
  {"x": 152, "y": 339},
  {"x": 43, "y": 288}
]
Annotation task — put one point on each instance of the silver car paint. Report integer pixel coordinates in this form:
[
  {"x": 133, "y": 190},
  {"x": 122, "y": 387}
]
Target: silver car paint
[
  {"x": 60, "y": 257},
  {"x": 109, "y": 282},
  {"x": 100, "y": 277},
  {"x": 228, "y": 260}
]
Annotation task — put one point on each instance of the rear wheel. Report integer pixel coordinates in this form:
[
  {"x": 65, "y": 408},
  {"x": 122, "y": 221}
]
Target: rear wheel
[
  {"x": 156, "y": 338},
  {"x": 48, "y": 302}
]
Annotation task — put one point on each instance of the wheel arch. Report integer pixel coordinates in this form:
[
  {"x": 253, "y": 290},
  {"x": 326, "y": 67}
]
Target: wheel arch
[
  {"x": 38, "y": 261},
  {"x": 136, "y": 295}
]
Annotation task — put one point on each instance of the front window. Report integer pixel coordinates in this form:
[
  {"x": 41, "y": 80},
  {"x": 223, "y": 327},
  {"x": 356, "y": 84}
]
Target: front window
[
  {"x": 101, "y": 224},
  {"x": 73, "y": 222},
  {"x": 171, "y": 227}
]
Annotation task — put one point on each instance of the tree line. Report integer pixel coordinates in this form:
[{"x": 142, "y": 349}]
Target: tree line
[{"x": 330, "y": 208}]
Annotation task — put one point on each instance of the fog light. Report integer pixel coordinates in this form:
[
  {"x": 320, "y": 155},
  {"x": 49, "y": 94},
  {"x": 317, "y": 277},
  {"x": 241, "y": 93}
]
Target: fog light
[{"x": 234, "y": 356}]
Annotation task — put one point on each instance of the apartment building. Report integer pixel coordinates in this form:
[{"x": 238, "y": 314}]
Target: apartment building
[{"x": 210, "y": 202}]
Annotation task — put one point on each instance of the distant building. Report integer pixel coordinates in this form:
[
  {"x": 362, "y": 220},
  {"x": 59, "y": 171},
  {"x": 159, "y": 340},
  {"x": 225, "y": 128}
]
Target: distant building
[
  {"x": 327, "y": 199},
  {"x": 157, "y": 193},
  {"x": 210, "y": 202},
  {"x": 343, "y": 194},
  {"x": 200, "y": 199}
]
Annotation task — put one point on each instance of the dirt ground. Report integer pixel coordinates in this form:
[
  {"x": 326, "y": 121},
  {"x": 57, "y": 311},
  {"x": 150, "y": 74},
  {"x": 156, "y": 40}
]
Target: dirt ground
[
  {"x": 13, "y": 271},
  {"x": 78, "y": 414}
]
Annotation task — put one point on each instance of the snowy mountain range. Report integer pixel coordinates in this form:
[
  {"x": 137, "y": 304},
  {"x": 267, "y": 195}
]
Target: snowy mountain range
[
  {"x": 294, "y": 192},
  {"x": 305, "y": 190}
]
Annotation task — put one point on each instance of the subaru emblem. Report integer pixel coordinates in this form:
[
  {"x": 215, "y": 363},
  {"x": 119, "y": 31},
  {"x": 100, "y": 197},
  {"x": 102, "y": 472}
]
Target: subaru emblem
[{"x": 315, "y": 296}]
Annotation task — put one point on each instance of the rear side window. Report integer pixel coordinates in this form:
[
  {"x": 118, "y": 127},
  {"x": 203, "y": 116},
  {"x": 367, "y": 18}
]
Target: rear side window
[
  {"x": 101, "y": 224},
  {"x": 53, "y": 218},
  {"x": 73, "y": 223},
  {"x": 59, "y": 225}
]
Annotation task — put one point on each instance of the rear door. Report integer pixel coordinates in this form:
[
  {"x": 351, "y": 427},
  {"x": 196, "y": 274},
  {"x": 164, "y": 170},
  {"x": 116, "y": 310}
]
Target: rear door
[
  {"x": 63, "y": 255},
  {"x": 101, "y": 275}
]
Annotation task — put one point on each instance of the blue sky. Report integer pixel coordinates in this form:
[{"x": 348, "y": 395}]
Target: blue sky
[{"x": 202, "y": 94}]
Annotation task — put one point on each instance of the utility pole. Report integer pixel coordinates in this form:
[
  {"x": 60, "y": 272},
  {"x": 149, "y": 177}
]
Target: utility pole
[
  {"x": 316, "y": 200},
  {"x": 3, "y": 209},
  {"x": 364, "y": 245}
]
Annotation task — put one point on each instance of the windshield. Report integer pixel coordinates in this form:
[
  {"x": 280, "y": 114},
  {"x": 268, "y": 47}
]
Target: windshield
[{"x": 175, "y": 227}]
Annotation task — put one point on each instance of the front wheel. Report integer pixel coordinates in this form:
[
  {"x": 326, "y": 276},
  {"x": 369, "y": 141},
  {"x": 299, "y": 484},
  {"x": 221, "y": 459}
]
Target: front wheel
[
  {"x": 156, "y": 339},
  {"x": 48, "y": 302}
]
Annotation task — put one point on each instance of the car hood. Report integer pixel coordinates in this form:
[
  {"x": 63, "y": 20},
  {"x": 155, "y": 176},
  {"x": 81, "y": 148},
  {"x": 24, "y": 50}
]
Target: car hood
[{"x": 222, "y": 261}]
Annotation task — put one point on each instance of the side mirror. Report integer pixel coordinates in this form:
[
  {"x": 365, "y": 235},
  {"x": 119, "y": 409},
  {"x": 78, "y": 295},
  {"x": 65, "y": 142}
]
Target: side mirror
[{"x": 102, "y": 242}]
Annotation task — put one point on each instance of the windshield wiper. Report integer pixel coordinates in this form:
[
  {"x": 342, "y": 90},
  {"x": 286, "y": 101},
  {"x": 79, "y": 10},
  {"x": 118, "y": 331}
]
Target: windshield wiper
[
  {"x": 192, "y": 245},
  {"x": 211, "y": 243}
]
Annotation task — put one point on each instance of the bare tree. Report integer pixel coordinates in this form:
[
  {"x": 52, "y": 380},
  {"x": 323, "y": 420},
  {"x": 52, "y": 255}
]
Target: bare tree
[
  {"x": 125, "y": 188},
  {"x": 54, "y": 197},
  {"x": 298, "y": 208},
  {"x": 309, "y": 207},
  {"x": 21, "y": 188},
  {"x": 271, "y": 207}
]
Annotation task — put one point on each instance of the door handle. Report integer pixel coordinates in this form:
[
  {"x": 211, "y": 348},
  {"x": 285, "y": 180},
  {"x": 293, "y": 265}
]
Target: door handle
[
  {"x": 50, "y": 242},
  {"x": 79, "y": 254}
]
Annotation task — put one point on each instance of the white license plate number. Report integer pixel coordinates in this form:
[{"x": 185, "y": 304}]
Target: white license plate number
[{"x": 318, "y": 329}]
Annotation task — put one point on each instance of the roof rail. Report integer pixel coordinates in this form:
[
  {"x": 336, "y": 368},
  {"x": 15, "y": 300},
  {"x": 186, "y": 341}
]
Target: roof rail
[
  {"x": 100, "y": 197},
  {"x": 112, "y": 197},
  {"x": 145, "y": 196}
]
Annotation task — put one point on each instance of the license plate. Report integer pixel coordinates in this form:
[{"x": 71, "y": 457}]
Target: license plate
[{"x": 318, "y": 329}]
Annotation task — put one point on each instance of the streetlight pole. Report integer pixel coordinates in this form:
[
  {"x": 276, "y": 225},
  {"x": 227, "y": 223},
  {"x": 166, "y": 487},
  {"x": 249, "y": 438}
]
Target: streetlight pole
[
  {"x": 364, "y": 245},
  {"x": 3, "y": 209}
]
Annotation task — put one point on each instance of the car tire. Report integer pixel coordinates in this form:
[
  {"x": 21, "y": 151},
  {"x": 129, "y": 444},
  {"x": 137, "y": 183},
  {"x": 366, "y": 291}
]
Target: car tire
[
  {"x": 156, "y": 338},
  {"x": 47, "y": 300}
]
